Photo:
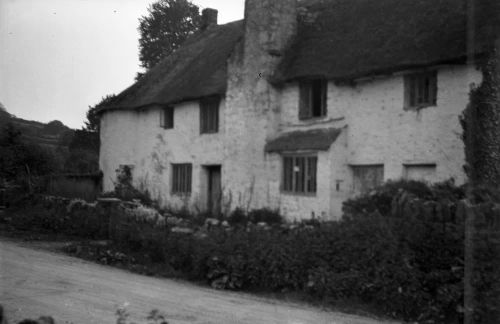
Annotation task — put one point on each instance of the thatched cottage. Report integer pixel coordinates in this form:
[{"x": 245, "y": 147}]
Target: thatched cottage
[{"x": 300, "y": 105}]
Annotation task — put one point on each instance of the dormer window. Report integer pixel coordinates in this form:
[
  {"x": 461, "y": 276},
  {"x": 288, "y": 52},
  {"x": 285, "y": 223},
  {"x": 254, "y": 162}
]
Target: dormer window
[
  {"x": 312, "y": 99},
  {"x": 167, "y": 117},
  {"x": 420, "y": 90},
  {"x": 209, "y": 115}
]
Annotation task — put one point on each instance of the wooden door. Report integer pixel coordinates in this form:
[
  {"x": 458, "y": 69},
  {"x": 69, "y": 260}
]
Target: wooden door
[{"x": 214, "y": 190}]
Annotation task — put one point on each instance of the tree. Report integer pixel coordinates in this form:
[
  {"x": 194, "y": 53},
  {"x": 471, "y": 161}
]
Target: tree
[
  {"x": 19, "y": 159},
  {"x": 54, "y": 127},
  {"x": 92, "y": 122},
  {"x": 165, "y": 28},
  {"x": 83, "y": 144},
  {"x": 480, "y": 121}
]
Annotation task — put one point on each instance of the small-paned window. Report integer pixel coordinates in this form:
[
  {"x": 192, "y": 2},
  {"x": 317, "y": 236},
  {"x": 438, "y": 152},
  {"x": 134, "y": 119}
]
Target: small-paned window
[
  {"x": 367, "y": 177},
  {"x": 167, "y": 117},
  {"x": 209, "y": 115},
  {"x": 299, "y": 174},
  {"x": 181, "y": 178},
  {"x": 312, "y": 99},
  {"x": 420, "y": 90},
  {"x": 420, "y": 172}
]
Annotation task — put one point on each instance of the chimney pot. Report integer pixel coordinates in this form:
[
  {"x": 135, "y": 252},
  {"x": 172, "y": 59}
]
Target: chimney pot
[{"x": 208, "y": 18}]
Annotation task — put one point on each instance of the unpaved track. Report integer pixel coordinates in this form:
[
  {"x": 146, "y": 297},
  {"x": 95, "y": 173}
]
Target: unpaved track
[{"x": 36, "y": 282}]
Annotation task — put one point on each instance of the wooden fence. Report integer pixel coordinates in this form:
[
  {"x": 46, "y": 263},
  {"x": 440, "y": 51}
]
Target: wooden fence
[{"x": 83, "y": 186}]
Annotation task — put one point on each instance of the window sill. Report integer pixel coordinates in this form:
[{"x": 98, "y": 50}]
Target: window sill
[
  {"x": 209, "y": 133},
  {"x": 181, "y": 194},
  {"x": 417, "y": 108},
  {"x": 313, "y": 119},
  {"x": 299, "y": 194}
]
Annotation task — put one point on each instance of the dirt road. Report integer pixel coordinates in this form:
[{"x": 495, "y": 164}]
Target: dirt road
[{"x": 36, "y": 282}]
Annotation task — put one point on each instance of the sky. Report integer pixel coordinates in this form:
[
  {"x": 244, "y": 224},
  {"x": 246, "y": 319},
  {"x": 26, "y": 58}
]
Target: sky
[{"x": 58, "y": 57}]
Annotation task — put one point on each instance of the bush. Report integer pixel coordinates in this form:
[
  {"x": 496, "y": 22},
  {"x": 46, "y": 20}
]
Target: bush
[
  {"x": 237, "y": 217},
  {"x": 380, "y": 199},
  {"x": 255, "y": 216},
  {"x": 409, "y": 267},
  {"x": 265, "y": 215},
  {"x": 61, "y": 216}
]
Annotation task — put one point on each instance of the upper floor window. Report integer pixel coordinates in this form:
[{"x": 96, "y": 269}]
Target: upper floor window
[
  {"x": 167, "y": 117},
  {"x": 181, "y": 178},
  {"x": 299, "y": 174},
  {"x": 420, "y": 90},
  {"x": 312, "y": 99},
  {"x": 209, "y": 115}
]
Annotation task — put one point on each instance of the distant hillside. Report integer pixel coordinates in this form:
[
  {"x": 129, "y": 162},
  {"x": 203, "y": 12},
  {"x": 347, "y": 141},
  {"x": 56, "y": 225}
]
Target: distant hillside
[{"x": 52, "y": 134}]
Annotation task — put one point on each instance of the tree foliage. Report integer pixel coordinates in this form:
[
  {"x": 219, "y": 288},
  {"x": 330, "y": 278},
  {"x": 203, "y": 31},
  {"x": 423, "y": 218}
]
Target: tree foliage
[
  {"x": 92, "y": 122},
  {"x": 165, "y": 27},
  {"x": 480, "y": 122},
  {"x": 19, "y": 158},
  {"x": 55, "y": 127},
  {"x": 83, "y": 155}
]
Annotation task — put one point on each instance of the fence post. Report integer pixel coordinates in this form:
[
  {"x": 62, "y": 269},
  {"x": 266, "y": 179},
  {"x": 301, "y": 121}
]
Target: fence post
[
  {"x": 468, "y": 262},
  {"x": 109, "y": 207}
]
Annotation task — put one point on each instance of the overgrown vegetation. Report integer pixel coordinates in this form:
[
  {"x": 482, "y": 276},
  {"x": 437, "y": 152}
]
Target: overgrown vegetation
[
  {"x": 21, "y": 161},
  {"x": 59, "y": 216},
  {"x": 399, "y": 248},
  {"x": 480, "y": 122}
]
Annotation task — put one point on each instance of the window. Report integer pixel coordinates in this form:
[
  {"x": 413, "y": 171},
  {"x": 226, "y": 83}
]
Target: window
[
  {"x": 420, "y": 90},
  {"x": 299, "y": 174},
  {"x": 167, "y": 117},
  {"x": 209, "y": 115},
  {"x": 367, "y": 177},
  {"x": 181, "y": 178},
  {"x": 420, "y": 172},
  {"x": 312, "y": 99}
]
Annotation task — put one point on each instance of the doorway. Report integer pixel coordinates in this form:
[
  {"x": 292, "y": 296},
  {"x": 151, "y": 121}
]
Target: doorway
[{"x": 214, "y": 190}]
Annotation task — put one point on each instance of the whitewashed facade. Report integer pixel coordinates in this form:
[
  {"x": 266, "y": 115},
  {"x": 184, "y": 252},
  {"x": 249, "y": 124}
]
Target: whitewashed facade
[{"x": 377, "y": 135}]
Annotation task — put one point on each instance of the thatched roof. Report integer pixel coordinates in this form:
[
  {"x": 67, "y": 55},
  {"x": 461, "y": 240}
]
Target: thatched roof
[
  {"x": 197, "y": 69},
  {"x": 339, "y": 40},
  {"x": 346, "y": 39},
  {"x": 314, "y": 139}
]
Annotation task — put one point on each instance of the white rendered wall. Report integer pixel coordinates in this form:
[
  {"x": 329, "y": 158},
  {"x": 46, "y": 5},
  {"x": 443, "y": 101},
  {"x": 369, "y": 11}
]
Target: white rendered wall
[{"x": 136, "y": 138}]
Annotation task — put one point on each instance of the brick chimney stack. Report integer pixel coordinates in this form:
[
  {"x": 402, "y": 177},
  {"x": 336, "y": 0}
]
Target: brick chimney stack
[{"x": 208, "y": 18}]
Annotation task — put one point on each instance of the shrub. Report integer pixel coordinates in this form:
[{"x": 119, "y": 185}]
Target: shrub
[
  {"x": 237, "y": 217},
  {"x": 61, "y": 216},
  {"x": 380, "y": 199},
  {"x": 265, "y": 215},
  {"x": 262, "y": 215}
]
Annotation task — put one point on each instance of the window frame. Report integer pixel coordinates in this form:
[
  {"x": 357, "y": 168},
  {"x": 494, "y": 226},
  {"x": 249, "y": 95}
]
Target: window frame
[
  {"x": 182, "y": 178},
  {"x": 420, "y": 90},
  {"x": 308, "y": 95},
  {"x": 167, "y": 117},
  {"x": 408, "y": 166},
  {"x": 209, "y": 115},
  {"x": 353, "y": 168},
  {"x": 289, "y": 177}
]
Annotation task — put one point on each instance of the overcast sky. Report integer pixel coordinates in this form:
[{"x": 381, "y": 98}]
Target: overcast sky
[{"x": 57, "y": 57}]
